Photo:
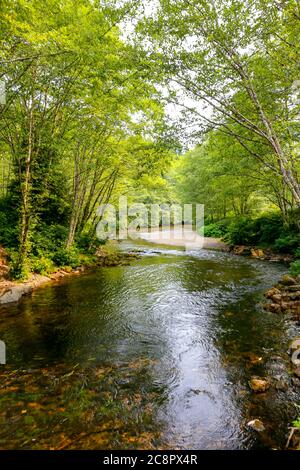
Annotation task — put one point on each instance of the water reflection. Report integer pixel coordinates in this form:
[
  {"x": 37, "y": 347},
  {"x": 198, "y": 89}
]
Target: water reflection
[{"x": 194, "y": 318}]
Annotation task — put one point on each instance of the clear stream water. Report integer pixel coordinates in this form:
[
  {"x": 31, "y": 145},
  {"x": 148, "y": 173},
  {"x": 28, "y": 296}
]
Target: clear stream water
[{"x": 155, "y": 354}]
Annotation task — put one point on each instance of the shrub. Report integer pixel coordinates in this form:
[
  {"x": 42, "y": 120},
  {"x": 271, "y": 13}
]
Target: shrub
[
  {"x": 216, "y": 230},
  {"x": 67, "y": 257},
  {"x": 288, "y": 243},
  {"x": 8, "y": 224},
  {"x": 16, "y": 271},
  {"x": 295, "y": 268},
  {"x": 242, "y": 231},
  {"x": 269, "y": 228},
  {"x": 297, "y": 423},
  {"x": 85, "y": 243},
  {"x": 41, "y": 265},
  {"x": 48, "y": 239}
]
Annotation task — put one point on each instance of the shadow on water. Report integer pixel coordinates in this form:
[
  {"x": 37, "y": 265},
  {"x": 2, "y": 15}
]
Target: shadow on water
[{"x": 155, "y": 354}]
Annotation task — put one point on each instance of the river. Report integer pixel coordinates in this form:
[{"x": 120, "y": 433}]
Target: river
[{"x": 157, "y": 354}]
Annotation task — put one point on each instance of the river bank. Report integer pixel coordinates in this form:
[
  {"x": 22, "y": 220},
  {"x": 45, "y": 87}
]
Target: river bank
[{"x": 12, "y": 291}]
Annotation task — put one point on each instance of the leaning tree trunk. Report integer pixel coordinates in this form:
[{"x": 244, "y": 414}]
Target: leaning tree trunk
[{"x": 25, "y": 194}]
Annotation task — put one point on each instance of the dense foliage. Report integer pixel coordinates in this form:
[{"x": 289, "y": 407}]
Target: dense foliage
[
  {"x": 81, "y": 124},
  {"x": 87, "y": 118}
]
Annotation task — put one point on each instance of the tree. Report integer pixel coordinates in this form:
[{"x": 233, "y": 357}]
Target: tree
[{"x": 227, "y": 56}]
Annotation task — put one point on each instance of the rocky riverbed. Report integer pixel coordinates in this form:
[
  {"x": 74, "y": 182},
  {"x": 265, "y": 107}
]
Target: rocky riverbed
[{"x": 285, "y": 297}]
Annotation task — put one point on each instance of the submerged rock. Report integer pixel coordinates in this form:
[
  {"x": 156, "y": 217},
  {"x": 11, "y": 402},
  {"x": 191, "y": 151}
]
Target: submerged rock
[
  {"x": 296, "y": 382},
  {"x": 257, "y": 425},
  {"x": 281, "y": 385},
  {"x": 259, "y": 384},
  {"x": 297, "y": 372}
]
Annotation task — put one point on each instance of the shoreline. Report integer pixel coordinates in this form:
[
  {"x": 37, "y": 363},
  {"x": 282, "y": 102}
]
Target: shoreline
[{"x": 13, "y": 291}]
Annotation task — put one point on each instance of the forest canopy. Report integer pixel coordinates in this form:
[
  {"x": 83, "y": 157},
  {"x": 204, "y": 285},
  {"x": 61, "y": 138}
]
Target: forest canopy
[{"x": 170, "y": 100}]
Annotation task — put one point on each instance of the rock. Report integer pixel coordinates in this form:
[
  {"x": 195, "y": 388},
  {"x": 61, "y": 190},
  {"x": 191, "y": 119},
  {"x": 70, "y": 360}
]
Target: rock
[
  {"x": 281, "y": 385},
  {"x": 274, "y": 308},
  {"x": 297, "y": 372},
  {"x": 259, "y": 384},
  {"x": 287, "y": 306},
  {"x": 252, "y": 358},
  {"x": 242, "y": 250},
  {"x": 14, "y": 293},
  {"x": 277, "y": 298},
  {"x": 295, "y": 359},
  {"x": 293, "y": 288},
  {"x": 294, "y": 345},
  {"x": 288, "y": 280},
  {"x": 271, "y": 292},
  {"x": 296, "y": 382},
  {"x": 257, "y": 425},
  {"x": 257, "y": 253},
  {"x": 292, "y": 295}
]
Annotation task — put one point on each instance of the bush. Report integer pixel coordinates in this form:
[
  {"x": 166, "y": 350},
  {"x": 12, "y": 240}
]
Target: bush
[
  {"x": 288, "y": 243},
  {"x": 8, "y": 224},
  {"x": 267, "y": 230},
  {"x": 48, "y": 239},
  {"x": 67, "y": 257},
  {"x": 16, "y": 271},
  {"x": 85, "y": 243},
  {"x": 295, "y": 268},
  {"x": 217, "y": 230},
  {"x": 242, "y": 232},
  {"x": 42, "y": 265}
]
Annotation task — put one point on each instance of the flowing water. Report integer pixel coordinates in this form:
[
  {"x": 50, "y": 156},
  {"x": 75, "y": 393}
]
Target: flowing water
[{"x": 155, "y": 354}]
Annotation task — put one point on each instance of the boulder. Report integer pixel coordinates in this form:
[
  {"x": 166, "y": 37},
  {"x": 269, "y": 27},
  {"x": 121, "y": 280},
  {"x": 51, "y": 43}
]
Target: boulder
[
  {"x": 242, "y": 250},
  {"x": 274, "y": 308},
  {"x": 257, "y": 253},
  {"x": 257, "y": 425},
  {"x": 288, "y": 280},
  {"x": 294, "y": 345},
  {"x": 295, "y": 359},
  {"x": 297, "y": 372},
  {"x": 259, "y": 384},
  {"x": 14, "y": 293},
  {"x": 271, "y": 292},
  {"x": 293, "y": 288},
  {"x": 281, "y": 385},
  {"x": 277, "y": 298},
  {"x": 296, "y": 382}
]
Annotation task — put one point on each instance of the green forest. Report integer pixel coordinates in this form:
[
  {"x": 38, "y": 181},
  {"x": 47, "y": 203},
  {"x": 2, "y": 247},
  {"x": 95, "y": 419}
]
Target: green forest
[
  {"x": 161, "y": 101},
  {"x": 85, "y": 119}
]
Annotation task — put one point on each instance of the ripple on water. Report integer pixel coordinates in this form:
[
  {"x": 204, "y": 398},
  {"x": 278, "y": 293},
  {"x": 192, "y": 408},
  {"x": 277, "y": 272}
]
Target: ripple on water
[{"x": 176, "y": 333}]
